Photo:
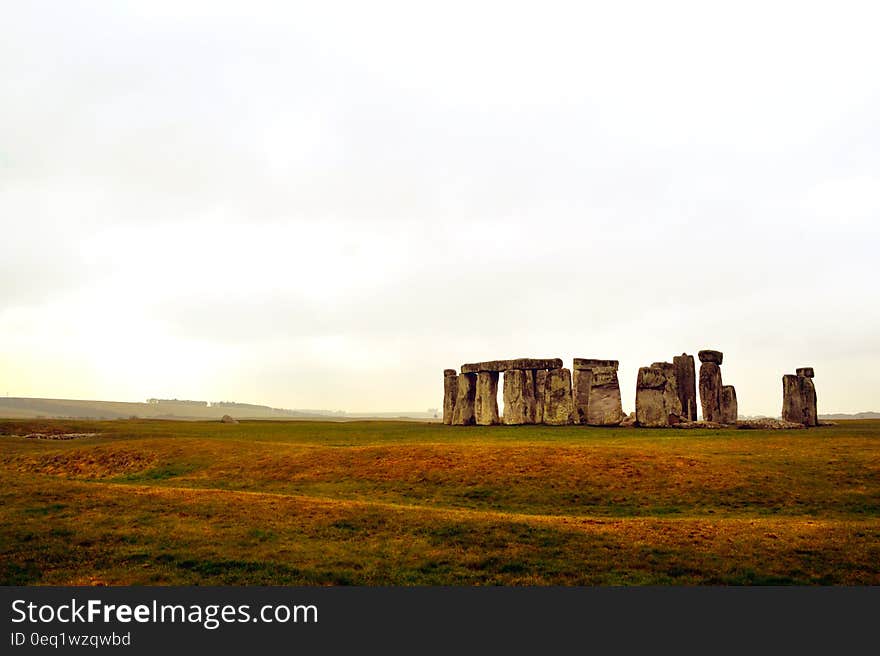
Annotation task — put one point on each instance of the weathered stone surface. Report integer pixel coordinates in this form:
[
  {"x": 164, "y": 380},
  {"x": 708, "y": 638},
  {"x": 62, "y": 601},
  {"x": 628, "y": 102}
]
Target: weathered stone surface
[
  {"x": 227, "y": 419},
  {"x": 686, "y": 380},
  {"x": 486, "y": 399},
  {"x": 649, "y": 397},
  {"x": 606, "y": 408},
  {"x": 450, "y": 391},
  {"x": 657, "y": 402},
  {"x": 596, "y": 393},
  {"x": 792, "y": 399},
  {"x": 806, "y": 371},
  {"x": 558, "y": 408},
  {"x": 540, "y": 381},
  {"x": 701, "y": 424},
  {"x": 519, "y": 396},
  {"x": 710, "y": 391},
  {"x": 767, "y": 424},
  {"x": 591, "y": 363},
  {"x": 810, "y": 396},
  {"x": 504, "y": 365},
  {"x": 729, "y": 408},
  {"x": 799, "y": 400},
  {"x": 711, "y": 356},
  {"x": 670, "y": 392},
  {"x": 629, "y": 420},
  {"x": 581, "y": 382},
  {"x": 464, "y": 413}
]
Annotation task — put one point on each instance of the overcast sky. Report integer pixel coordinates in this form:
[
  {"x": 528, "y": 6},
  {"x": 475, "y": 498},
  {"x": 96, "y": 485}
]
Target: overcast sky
[{"x": 323, "y": 205}]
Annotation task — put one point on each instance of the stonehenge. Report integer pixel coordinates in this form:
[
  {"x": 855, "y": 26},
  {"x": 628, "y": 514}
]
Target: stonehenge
[
  {"x": 710, "y": 384},
  {"x": 464, "y": 413},
  {"x": 540, "y": 382},
  {"x": 718, "y": 405},
  {"x": 542, "y": 391},
  {"x": 686, "y": 379},
  {"x": 729, "y": 409},
  {"x": 505, "y": 365},
  {"x": 582, "y": 381},
  {"x": 657, "y": 401},
  {"x": 596, "y": 393},
  {"x": 799, "y": 397},
  {"x": 708, "y": 355},
  {"x": 519, "y": 396},
  {"x": 486, "y": 398},
  {"x": 710, "y": 391},
  {"x": 558, "y": 408},
  {"x": 535, "y": 391},
  {"x": 450, "y": 391}
]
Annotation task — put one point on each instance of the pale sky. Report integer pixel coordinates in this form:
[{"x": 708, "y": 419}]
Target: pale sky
[{"x": 323, "y": 204}]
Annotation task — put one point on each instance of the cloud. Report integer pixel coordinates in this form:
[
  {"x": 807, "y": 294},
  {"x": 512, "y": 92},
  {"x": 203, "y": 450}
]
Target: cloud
[{"x": 398, "y": 190}]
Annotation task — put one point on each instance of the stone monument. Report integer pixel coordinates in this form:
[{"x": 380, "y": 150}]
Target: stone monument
[
  {"x": 686, "y": 380},
  {"x": 450, "y": 391},
  {"x": 799, "y": 398},
  {"x": 596, "y": 392},
  {"x": 657, "y": 402},
  {"x": 710, "y": 384}
]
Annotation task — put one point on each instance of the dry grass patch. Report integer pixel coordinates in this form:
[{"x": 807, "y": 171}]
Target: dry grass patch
[
  {"x": 371, "y": 503},
  {"x": 91, "y": 463}
]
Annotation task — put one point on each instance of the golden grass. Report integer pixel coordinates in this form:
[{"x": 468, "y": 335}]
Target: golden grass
[{"x": 371, "y": 503}]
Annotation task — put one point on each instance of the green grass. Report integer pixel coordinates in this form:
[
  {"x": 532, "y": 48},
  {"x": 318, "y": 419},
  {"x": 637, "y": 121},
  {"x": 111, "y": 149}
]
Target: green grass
[{"x": 377, "y": 503}]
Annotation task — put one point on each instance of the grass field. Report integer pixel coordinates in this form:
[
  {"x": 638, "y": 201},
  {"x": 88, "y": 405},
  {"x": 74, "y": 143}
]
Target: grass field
[{"x": 379, "y": 503}]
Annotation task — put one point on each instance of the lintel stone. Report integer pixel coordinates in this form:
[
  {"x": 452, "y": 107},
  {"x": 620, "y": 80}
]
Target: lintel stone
[
  {"x": 710, "y": 356},
  {"x": 518, "y": 363},
  {"x": 591, "y": 363}
]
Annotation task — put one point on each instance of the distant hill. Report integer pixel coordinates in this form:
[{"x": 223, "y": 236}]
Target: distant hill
[
  {"x": 155, "y": 408},
  {"x": 25, "y": 408},
  {"x": 858, "y": 415}
]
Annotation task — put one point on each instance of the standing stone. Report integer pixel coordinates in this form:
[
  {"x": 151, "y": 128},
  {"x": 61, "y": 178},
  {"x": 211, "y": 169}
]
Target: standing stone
[
  {"x": 686, "y": 380},
  {"x": 540, "y": 380},
  {"x": 582, "y": 381},
  {"x": 605, "y": 407},
  {"x": 793, "y": 405},
  {"x": 558, "y": 408},
  {"x": 805, "y": 371},
  {"x": 671, "y": 401},
  {"x": 464, "y": 413},
  {"x": 450, "y": 391},
  {"x": 486, "y": 399},
  {"x": 650, "y": 405},
  {"x": 799, "y": 399},
  {"x": 809, "y": 392},
  {"x": 596, "y": 392},
  {"x": 729, "y": 408},
  {"x": 710, "y": 385},
  {"x": 519, "y": 396},
  {"x": 650, "y": 384},
  {"x": 657, "y": 402}
]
